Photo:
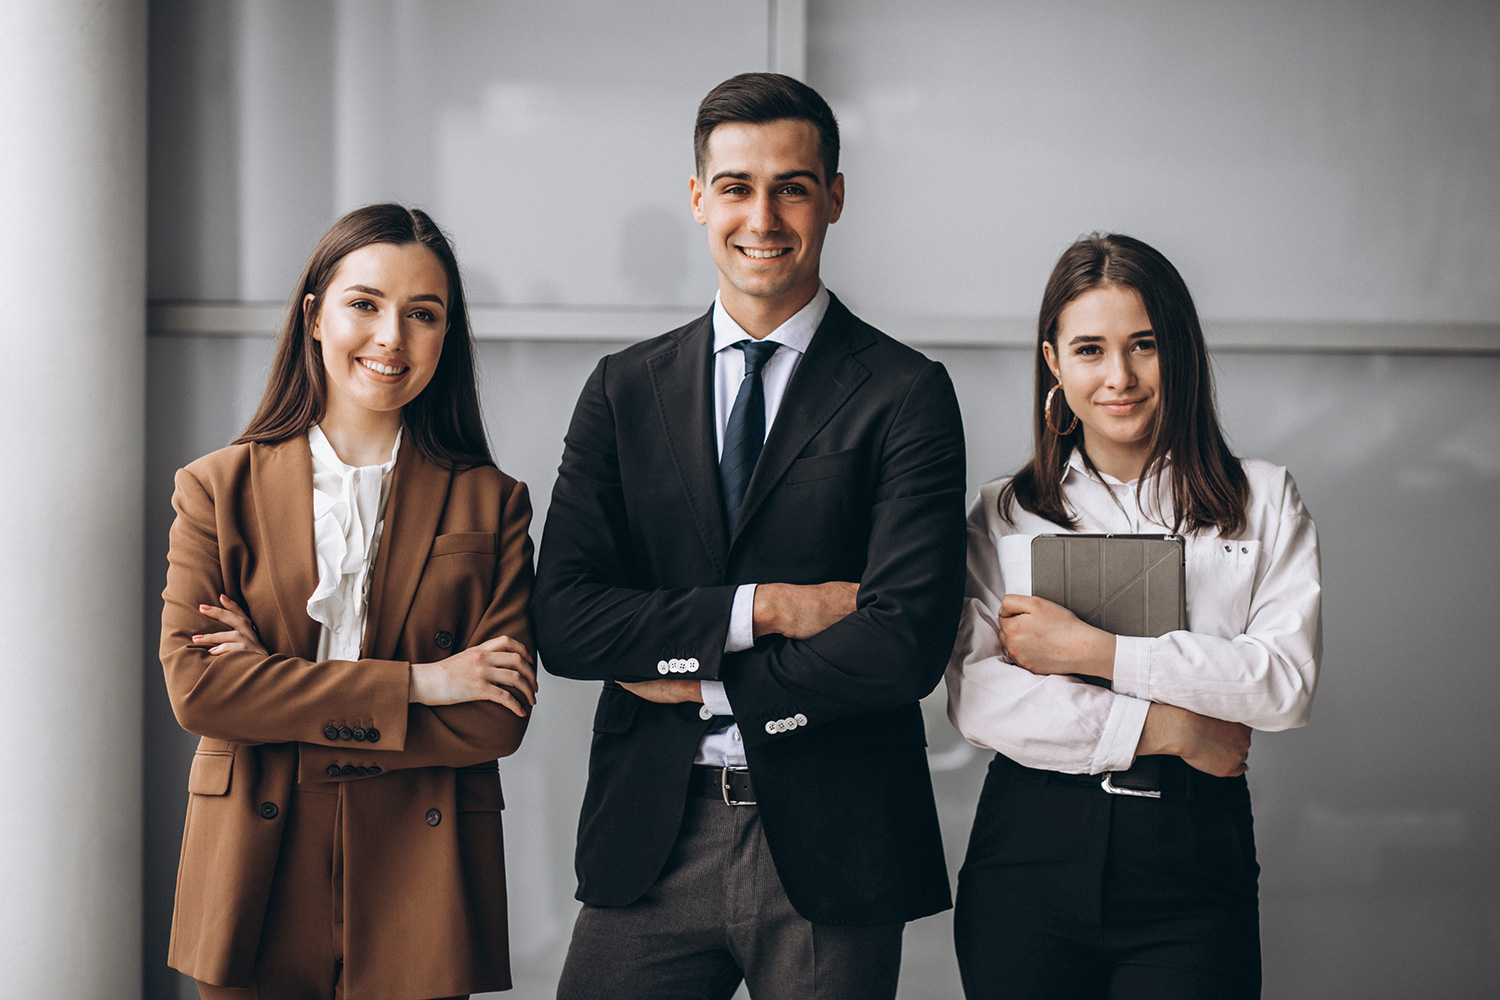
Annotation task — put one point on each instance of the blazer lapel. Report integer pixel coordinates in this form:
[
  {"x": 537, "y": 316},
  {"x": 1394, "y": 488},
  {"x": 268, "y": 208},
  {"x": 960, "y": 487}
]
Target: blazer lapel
[
  {"x": 682, "y": 379},
  {"x": 414, "y": 509},
  {"x": 281, "y": 484},
  {"x": 826, "y": 378}
]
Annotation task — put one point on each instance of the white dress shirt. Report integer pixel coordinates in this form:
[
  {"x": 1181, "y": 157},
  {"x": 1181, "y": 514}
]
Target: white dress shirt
[
  {"x": 348, "y": 519},
  {"x": 724, "y": 748},
  {"x": 1249, "y": 654}
]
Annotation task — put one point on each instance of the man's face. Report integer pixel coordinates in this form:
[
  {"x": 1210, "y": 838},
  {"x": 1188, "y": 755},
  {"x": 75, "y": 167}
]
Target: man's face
[{"x": 764, "y": 200}]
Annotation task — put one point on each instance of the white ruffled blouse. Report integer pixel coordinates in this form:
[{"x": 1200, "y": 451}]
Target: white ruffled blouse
[{"x": 348, "y": 519}]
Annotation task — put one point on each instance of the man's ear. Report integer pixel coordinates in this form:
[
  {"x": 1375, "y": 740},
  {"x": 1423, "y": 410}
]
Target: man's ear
[
  {"x": 836, "y": 198},
  {"x": 695, "y": 200},
  {"x": 309, "y": 320}
]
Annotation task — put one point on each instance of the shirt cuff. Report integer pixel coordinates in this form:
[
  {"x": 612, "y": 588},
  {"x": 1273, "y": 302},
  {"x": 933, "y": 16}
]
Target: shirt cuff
[
  {"x": 1122, "y": 734},
  {"x": 715, "y": 699},
  {"x": 1132, "y": 666},
  {"x": 741, "y": 620}
]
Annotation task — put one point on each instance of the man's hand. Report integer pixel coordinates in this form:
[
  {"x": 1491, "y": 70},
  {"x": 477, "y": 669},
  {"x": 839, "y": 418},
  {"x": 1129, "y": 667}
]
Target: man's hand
[
  {"x": 801, "y": 611},
  {"x": 1047, "y": 638},
  {"x": 1213, "y": 746},
  {"x": 668, "y": 691}
]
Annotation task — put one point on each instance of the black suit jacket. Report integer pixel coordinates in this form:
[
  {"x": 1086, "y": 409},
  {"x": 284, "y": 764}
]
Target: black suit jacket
[{"x": 861, "y": 478}]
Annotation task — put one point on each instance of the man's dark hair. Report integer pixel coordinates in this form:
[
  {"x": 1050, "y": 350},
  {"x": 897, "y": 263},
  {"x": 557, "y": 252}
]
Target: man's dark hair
[{"x": 759, "y": 98}]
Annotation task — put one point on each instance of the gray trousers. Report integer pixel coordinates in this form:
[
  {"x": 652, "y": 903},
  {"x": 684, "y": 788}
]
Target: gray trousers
[{"x": 716, "y": 915}]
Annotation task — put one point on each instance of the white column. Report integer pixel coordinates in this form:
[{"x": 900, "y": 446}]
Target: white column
[{"x": 72, "y": 340}]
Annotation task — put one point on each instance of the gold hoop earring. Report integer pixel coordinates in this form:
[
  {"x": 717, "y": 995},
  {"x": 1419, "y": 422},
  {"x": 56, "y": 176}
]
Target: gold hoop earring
[{"x": 1047, "y": 414}]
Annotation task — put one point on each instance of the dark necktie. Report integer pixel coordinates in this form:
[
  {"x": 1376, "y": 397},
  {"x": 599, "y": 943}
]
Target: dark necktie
[{"x": 746, "y": 430}]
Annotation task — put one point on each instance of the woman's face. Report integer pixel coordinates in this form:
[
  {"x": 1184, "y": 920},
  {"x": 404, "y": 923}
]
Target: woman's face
[
  {"x": 381, "y": 328},
  {"x": 1106, "y": 361}
]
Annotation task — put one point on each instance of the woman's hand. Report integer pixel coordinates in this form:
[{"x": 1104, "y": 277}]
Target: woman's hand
[
  {"x": 1047, "y": 638},
  {"x": 241, "y": 636},
  {"x": 499, "y": 670},
  {"x": 1213, "y": 746}
]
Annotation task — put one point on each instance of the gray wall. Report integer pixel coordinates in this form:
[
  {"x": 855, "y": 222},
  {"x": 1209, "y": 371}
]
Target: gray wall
[{"x": 1304, "y": 163}]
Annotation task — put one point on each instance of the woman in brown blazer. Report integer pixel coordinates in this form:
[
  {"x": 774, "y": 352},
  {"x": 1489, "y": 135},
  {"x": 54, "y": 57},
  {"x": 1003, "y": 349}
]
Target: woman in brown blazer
[{"x": 345, "y": 624}]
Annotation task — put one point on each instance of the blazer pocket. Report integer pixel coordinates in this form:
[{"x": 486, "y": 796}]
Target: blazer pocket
[
  {"x": 210, "y": 773},
  {"x": 616, "y": 712},
  {"x": 464, "y": 541},
  {"x": 815, "y": 467},
  {"x": 479, "y": 788}
]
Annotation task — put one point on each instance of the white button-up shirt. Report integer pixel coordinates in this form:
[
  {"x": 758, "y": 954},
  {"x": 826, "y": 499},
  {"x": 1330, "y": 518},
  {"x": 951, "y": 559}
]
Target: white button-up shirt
[
  {"x": 1249, "y": 654},
  {"x": 724, "y": 748},
  {"x": 348, "y": 519}
]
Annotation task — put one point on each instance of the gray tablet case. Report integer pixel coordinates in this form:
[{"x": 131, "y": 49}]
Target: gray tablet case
[{"x": 1124, "y": 584}]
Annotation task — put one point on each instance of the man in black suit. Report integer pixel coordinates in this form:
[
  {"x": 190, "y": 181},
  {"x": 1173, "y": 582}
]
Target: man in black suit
[{"x": 756, "y": 540}]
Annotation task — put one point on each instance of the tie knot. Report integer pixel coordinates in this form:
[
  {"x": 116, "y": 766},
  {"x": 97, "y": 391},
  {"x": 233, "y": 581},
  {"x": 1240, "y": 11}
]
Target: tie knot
[{"x": 757, "y": 353}]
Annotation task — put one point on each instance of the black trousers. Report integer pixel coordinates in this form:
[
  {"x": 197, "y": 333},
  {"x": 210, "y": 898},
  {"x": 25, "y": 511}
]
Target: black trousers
[{"x": 1070, "y": 892}]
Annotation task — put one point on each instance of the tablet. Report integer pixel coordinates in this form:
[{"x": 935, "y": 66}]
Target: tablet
[{"x": 1124, "y": 584}]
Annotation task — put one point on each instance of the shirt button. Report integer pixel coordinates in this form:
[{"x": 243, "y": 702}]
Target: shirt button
[
  {"x": 705, "y": 713},
  {"x": 268, "y": 810},
  {"x": 331, "y": 732},
  {"x": 434, "y": 817},
  {"x": 443, "y": 639},
  {"x": 737, "y": 737}
]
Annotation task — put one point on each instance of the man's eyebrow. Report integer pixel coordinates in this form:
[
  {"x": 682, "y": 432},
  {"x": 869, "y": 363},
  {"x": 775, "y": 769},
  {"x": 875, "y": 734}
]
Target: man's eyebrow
[
  {"x": 366, "y": 289},
  {"x": 740, "y": 175}
]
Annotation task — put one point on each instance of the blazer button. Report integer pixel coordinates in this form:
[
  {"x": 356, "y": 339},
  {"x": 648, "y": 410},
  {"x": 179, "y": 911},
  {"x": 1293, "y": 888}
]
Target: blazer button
[
  {"x": 434, "y": 817},
  {"x": 771, "y": 727},
  {"x": 347, "y": 769},
  {"x": 331, "y": 732},
  {"x": 268, "y": 810},
  {"x": 345, "y": 733},
  {"x": 374, "y": 769},
  {"x": 333, "y": 771},
  {"x": 372, "y": 734},
  {"x": 692, "y": 664},
  {"x": 443, "y": 639},
  {"x": 661, "y": 666},
  {"x": 360, "y": 771},
  {"x": 800, "y": 719},
  {"x": 358, "y": 733}
]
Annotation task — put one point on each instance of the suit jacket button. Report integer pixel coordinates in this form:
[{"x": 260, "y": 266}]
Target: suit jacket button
[
  {"x": 333, "y": 771},
  {"x": 800, "y": 719},
  {"x": 360, "y": 771},
  {"x": 268, "y": 810},
  {"x": 661, "y": 666},
  {"x": 347, "y": 769},
  {"x": 372, "y": 734},
  {"x": 443, "y": 639},
  {"x": 692, "y": 664},
  {"x": 771, "y": 727},
  {"x": 359, "y": 733},
  {"x": 331, "y": 732},
  {"x": 345, "y": 733},
  {"x": 374, "y": 769},
  {"x": 434, "y": 817}
]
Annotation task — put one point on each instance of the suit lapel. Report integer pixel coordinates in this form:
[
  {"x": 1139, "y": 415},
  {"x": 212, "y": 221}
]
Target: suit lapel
[
  {"x": 419, "y": 492},
  {"x": 825, "y": 379},
  {"x": 682, "y": 379},
  {"x": 281, "y": 485}
]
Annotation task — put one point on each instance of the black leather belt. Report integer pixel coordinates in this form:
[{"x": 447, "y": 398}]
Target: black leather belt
[
  {"x": 1154, "y": 777},
  {"x": 731, "y": 785}
]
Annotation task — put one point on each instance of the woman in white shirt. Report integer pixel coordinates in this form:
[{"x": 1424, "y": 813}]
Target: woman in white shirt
[
  {"x": 1112, "y": 853},
  {"x": 345, "y": 624}
]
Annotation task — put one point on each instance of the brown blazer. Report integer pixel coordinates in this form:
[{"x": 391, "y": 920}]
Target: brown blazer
[{"x": 424, "y": 876}]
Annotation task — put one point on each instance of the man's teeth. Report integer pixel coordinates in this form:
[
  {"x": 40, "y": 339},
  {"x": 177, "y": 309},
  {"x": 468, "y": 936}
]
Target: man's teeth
[
  {"x": 763, "y": 254},
  {"x": 382, "y": 369}
]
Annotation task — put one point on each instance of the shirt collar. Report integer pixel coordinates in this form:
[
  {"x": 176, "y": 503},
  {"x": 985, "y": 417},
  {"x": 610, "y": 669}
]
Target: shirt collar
[
  {"x": 1077, "y": 467},
  {"x": 796, "y": 333},
  {"x": 323, "y": 453}
]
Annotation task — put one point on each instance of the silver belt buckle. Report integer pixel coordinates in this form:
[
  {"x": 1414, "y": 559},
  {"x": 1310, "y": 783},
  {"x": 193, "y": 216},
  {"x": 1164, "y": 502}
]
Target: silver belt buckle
[
  {"x": 1140, "y": 793},
  {"x": 724, "y": 785}
]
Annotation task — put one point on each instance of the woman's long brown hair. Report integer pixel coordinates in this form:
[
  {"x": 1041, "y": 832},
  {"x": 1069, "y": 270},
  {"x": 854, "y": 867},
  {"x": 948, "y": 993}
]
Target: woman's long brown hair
[
  {"x": 1208, "y": 485},
  {"x": 444, "y": 421}
]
